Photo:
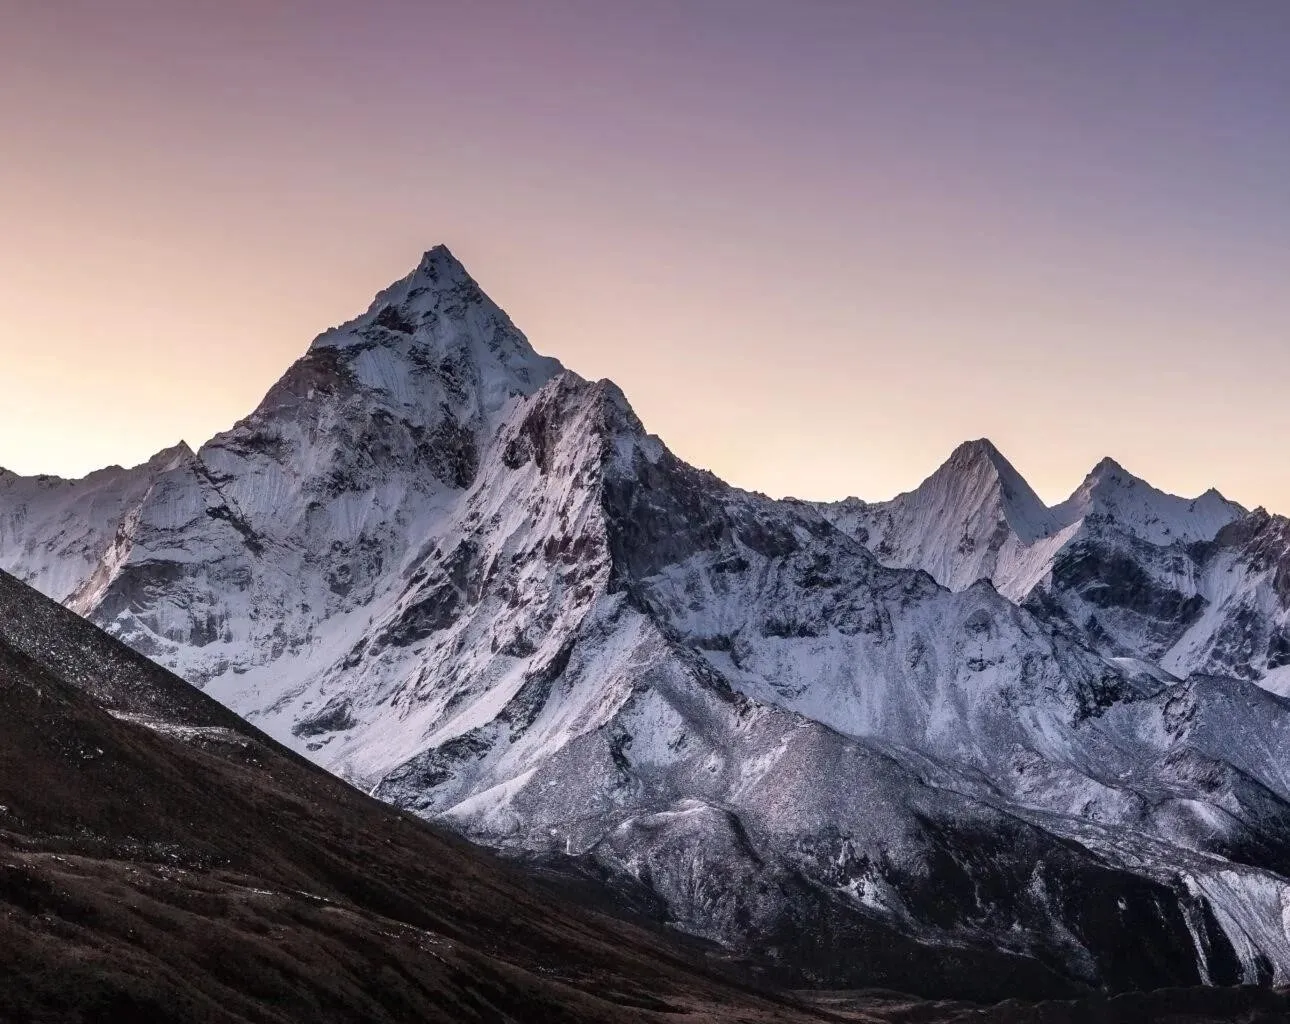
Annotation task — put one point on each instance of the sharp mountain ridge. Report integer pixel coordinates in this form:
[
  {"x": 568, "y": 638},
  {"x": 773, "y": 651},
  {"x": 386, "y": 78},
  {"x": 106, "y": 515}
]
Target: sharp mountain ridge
[{"x": 830, "y": 736}]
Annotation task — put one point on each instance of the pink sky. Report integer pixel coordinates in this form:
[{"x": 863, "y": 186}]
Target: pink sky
[{"x": 817, "y": 244}]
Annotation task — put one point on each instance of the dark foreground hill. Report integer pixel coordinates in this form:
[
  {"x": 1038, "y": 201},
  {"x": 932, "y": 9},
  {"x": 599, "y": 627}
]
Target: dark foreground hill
[{"x": 160, "y": 861}]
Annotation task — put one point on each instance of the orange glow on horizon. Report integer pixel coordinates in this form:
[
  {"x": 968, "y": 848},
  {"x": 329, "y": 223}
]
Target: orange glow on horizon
[{"x": 816, "y": 253}]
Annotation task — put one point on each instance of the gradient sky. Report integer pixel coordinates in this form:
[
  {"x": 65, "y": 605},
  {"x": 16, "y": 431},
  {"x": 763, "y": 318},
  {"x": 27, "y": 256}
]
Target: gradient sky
[{"x": 817, "y": 242}]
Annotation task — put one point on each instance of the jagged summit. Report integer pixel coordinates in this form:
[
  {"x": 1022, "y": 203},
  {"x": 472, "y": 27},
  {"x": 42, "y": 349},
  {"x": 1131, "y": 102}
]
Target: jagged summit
[
  {"x": 1107, "y": 476},
  {"x": 438, "y": 261},
  {"x": 168, "y": 458},
  {"x": 1109, "y": 473},
  {"x": 1107, "y": 466},
  {"x": 979, "y": 455},
  {"x": 960, "y": 524},
  {"x": 1111, "y": 491},
  {"x": 978, "y": 482},
  {"x": 437, "y": 273},
  {"x": 980, "y": 452},
  {"x": 1187, "y": 584},
  {"x": 977, "y": 517},
  {"x": 431, "y": 343},
  {"x": 981, "y": 448},
  {"x": 440, "y": 309}
]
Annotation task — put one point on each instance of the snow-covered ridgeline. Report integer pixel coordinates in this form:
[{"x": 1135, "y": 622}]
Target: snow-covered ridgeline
[
  {"x": 1191, "y": 585},
  {"x": 468, "y": 580}
]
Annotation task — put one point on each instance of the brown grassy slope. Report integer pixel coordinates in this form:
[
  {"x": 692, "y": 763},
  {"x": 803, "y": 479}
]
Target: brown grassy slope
[{"x": 220, "y": 878}]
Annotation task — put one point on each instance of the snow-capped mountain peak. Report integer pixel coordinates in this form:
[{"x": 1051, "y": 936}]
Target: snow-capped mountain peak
[
  {"x": 429, "y": 344},
  {"x": 171, "y": 458},
  {"x": 974, "y": 514},
  {"x": 446, "y": 568},
  {"x": 434, "y": 281},
  {"x": 979, "y": 468},
  {"x": 1141, "y": 573},
  {"x": 1112, "y": 492}
]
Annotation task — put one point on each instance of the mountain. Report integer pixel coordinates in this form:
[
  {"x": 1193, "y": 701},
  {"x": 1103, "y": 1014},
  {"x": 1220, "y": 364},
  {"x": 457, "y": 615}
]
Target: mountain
[
  {"x": 473, "y": 584},
  {"x": 974, "y": 518},
  {"x": 1111, "y": 494},
  {"x": 1172, "y": 586},
  {"x": 163, "y": 861},
  {"x": 220, "y": 562},
  {"x": 61, "y": 529}
]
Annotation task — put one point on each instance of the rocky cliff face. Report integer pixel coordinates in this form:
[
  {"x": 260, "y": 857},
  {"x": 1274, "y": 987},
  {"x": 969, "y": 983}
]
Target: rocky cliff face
[{"x": 470, "y": 581}]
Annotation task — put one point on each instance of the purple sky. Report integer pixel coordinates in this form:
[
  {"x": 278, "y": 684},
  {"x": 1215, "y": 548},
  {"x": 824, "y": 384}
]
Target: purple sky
[{"x": 817, "y": 242}]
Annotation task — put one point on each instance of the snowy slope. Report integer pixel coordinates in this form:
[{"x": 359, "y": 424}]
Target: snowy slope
[
  {"x": 445, "y": 568},
  {"x": 58, "y": 531},
  {"x": 1110, "y": 492},
  {"x": 1183, "y": 585},
  {"x": 746, "y": 704},
  {"x": 1243, "y": 628},
  {"x": 308, "y": 509},
  {"x": 975, "y": 518}
]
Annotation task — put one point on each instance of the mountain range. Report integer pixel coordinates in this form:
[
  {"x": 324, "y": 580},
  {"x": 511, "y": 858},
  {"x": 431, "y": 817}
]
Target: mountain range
[
  {"x": 163, "y": 862},
  {"x": 958, "y": 743},
  {"x": 1197, "y": 586}
]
